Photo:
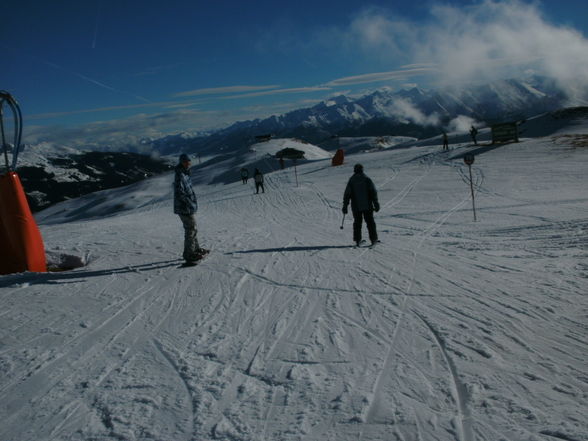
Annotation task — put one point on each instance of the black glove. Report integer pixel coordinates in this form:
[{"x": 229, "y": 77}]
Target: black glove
[
  {"x": 344, "y": 210},
  {"x": 376, "y": 207}
]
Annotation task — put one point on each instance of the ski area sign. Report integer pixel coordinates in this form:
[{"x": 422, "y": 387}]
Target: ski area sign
[{"x": 505, "y": 132}]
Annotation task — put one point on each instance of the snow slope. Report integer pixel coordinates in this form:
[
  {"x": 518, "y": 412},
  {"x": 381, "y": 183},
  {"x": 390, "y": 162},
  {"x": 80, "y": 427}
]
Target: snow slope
[{"x": 448, "y": 330}]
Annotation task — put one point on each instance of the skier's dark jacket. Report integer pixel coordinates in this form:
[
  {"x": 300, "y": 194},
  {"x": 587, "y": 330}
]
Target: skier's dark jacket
[
  {"x": 184, "y": 196},
  {"x": 362, "y": 193}
]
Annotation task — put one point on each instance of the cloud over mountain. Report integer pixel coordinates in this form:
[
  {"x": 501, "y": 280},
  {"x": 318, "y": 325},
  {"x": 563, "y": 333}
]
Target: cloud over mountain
[{"x": 482, "y": 42}]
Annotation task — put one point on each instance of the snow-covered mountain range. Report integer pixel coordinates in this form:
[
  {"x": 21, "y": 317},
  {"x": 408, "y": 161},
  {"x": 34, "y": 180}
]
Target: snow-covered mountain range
[{"x": 414, "y": 112}]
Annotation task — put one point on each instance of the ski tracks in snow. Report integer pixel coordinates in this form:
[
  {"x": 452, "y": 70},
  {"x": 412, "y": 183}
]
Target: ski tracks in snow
[
  {"x": 279, "y": 334},
  {"x": 460, "y": 396},
  {"x": 90, "y": 359},
  {"x": 460, "y": 393}
]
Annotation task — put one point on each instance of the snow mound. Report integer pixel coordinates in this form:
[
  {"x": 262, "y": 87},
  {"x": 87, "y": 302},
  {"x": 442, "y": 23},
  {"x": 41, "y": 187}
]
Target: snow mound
[
  {"x": 59, "y": 261},
  {"x": 311, "y": 152}
]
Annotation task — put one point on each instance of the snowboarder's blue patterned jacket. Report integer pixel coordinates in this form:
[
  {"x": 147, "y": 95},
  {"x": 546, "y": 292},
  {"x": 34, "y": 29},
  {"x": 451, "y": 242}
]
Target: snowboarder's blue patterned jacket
[{"x": 184, "y": 197}]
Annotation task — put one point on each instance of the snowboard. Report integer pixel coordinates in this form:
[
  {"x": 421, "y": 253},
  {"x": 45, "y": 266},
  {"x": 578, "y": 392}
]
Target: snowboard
[
  {"x": 362, "y": 244},
  {"x": 191, "y": 263}
]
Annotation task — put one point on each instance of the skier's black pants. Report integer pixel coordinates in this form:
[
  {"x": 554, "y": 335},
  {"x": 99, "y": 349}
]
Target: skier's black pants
[
  {"x": 358, "y": 217},
  {"x": 259, "y": 185}
]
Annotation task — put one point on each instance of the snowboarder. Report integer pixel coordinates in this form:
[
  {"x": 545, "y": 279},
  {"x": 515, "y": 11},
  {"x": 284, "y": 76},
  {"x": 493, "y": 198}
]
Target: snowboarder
[
  {"x": 244, "y": 175},
  {"x": 185, "y": 206},
  {"x": 258, "y": 178},
  {"x": 473, "y": 133},
  {"x": 445, "y": 141},
  {"x": 362, "y": 193}
]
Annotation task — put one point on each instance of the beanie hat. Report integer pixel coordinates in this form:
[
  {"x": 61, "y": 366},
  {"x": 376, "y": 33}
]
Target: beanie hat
[
  {"x": 358, "y": 168},
  {"x": 184, "y": 157}
]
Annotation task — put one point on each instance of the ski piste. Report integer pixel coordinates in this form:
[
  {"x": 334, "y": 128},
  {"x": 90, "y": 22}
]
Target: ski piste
[{"x": 447, "y": 330}]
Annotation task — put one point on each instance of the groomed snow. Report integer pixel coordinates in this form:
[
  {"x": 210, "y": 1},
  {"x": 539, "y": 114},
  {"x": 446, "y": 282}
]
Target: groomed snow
[{"x": 448, "y": 330}]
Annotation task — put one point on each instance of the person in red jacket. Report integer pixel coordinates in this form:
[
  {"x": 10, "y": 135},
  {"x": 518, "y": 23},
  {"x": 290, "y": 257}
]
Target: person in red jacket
[{"x": 362, "y": 193}]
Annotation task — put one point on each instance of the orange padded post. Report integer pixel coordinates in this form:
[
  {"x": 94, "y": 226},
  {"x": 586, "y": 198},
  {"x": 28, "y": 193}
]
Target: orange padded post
[
  {"x": 21, "y": 244},
  {"x": 338, "y": 158}
]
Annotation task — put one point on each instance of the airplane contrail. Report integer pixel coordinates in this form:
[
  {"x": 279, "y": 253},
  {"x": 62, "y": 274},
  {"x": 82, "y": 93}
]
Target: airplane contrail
[
  {"x": 96, "y": 26},
  {"x": 96, "y": 82}
]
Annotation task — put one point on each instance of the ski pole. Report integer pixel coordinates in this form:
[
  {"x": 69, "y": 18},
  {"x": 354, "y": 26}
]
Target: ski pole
[{"x": 341, "y": 227}]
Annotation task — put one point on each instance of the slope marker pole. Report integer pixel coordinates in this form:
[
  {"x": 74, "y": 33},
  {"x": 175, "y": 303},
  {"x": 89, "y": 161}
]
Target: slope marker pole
[{"x": 469, "y": 160}]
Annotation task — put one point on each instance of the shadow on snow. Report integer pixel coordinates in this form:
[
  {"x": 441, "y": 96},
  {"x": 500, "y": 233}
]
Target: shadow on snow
[
  {"x": 288, "y": 249},
  {"x": 61, "y": 276}
]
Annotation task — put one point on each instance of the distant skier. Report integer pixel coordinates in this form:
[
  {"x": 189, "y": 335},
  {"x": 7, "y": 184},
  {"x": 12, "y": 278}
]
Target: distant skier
[
  {"x": 258, "y": 178},
  {"x": 185, "y": 206},
  {"x": 445, "y": 141},
  {"x": 282, "y": 163},
  {"x": 362, "y": 193},
  {"x": 473, "y": 133},
  {"x": 244, "y": 175}
]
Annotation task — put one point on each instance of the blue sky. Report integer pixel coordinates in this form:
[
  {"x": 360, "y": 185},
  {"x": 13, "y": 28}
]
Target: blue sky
[{"x": 152, "y": 67}]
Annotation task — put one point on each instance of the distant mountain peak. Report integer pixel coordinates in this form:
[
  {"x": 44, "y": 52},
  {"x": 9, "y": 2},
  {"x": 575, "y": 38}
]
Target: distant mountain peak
[{"x": 336, "y": 100}]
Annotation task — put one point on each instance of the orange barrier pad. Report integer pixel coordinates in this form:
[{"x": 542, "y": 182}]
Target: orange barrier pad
[
  {"x": 21, "y": 244},
  {"x": 338, "y": 158}
]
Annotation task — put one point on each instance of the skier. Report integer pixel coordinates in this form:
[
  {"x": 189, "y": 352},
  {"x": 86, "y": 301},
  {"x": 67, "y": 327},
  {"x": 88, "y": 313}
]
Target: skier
[
  {"x": 244, "y": 175},
  {"x": 258, "y": 178},
  {"x": 473, "y": 133},
  {"x": 364, "y": 201},
  {"x": 185, "y": 206},
  {"x": 445, "y": 141}
]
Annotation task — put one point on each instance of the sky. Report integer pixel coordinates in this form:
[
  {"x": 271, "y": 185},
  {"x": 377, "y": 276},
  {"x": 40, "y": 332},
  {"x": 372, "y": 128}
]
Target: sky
[{"x": 109, "y": 69}]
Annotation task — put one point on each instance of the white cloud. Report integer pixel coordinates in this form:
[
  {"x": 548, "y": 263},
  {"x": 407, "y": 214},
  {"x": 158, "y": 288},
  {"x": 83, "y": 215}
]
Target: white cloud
[
  {"x": 378, "y": 31},
  {"x": 223, "y": 90},
  {"x": 498, "y": 38},
  {"x": 97, "y": 109},
  {"x": 404, "y": 109},
  {"x": 279, "y": 92},
  {"x": 400, "y": 74},
  {"x": 125, "y": 132},
  {"x": 486, "y": 41},
  {"x": 462, "y": 124}
]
